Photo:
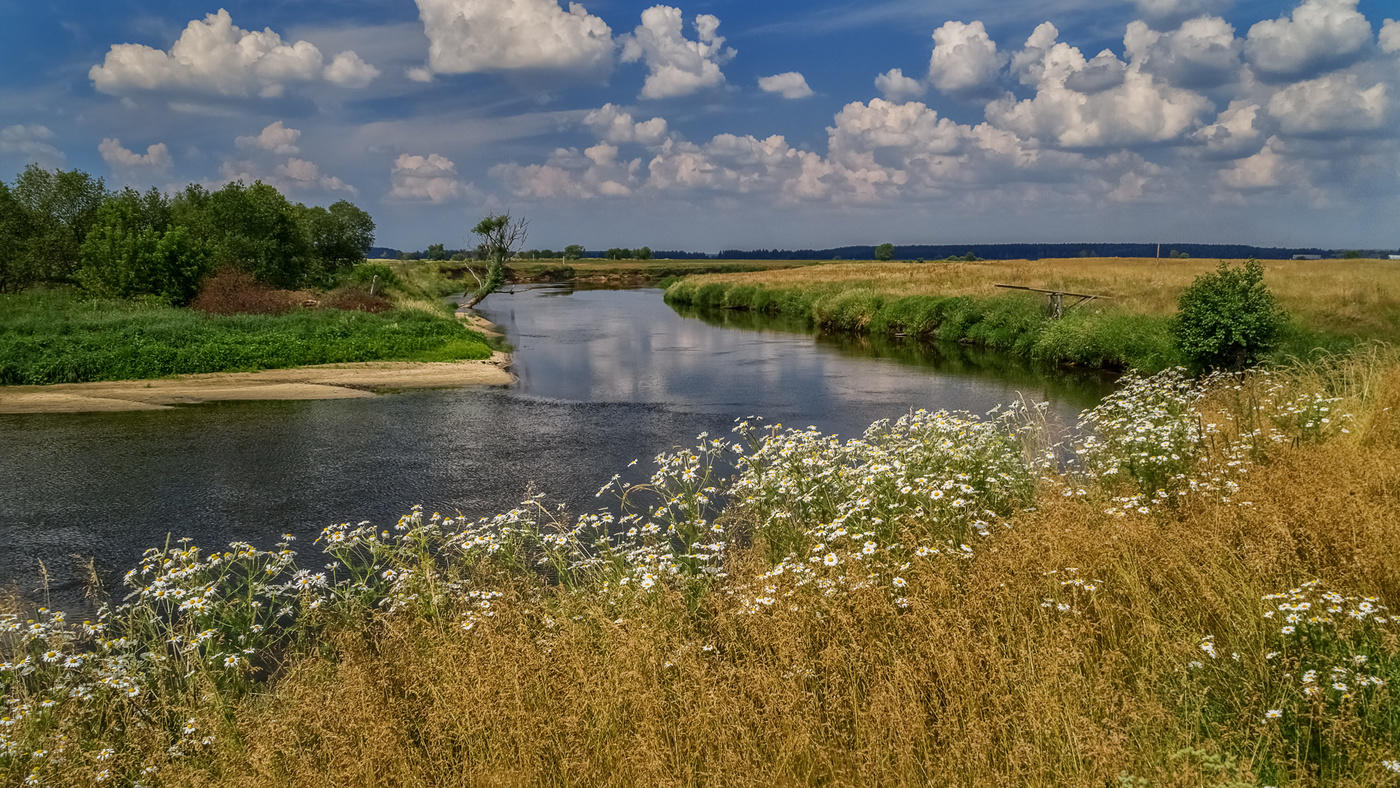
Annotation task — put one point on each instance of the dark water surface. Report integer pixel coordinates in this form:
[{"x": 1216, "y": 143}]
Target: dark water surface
[{"x": 605, "y": 377}]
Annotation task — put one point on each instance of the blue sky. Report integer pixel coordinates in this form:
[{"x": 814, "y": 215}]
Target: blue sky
[{"x": 733, "y": 123}]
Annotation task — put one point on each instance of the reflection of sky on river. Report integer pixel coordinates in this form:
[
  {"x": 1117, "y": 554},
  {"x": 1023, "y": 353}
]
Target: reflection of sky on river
[
  {"x": 628, "y": 346},
  {"x": 605, "y": 377}
]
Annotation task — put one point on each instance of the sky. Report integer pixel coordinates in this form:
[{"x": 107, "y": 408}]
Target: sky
[{"x": 736, "y": 123}]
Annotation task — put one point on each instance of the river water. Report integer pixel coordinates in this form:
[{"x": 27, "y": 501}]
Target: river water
[{"x": 605, "y": 377}]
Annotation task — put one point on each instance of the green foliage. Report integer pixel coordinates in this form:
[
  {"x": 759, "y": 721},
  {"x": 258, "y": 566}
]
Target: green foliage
[
  {"x": 133, "y": 249},
  {"x": 57, "y": 336},
  {"x": 340, "y": 235},
  {"x": 54, "y": 212},
  {"x": 643, "y": 253},
  {"x": 149, "y": 244},
  {"x": 1227, "y": 319},
  {"x": 573, "y": 252},
  {"x": 500, "y": 237},
  {"x": 884, "y": 252},
  {"x": 436, "y": 252}
]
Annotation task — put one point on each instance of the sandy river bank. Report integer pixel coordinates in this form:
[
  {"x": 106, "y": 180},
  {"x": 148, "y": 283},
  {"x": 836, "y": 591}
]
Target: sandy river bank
[{"x": 328, "y": 381}]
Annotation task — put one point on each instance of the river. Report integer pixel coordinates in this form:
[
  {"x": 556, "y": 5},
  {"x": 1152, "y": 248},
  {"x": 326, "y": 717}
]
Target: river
[{"x": 605, "y": 377}]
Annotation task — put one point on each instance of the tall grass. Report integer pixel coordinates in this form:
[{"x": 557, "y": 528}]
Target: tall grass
[
  {"x": 61, "y": 337},
  {"x": 939, "y": 601}
]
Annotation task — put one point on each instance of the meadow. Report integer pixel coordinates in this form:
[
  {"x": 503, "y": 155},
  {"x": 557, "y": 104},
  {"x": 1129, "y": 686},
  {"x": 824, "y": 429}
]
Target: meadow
[
  {"x": 1176, "y": 598},
  {"x": 63, "y": 336},
  {"x": 1333, "y": 303}
]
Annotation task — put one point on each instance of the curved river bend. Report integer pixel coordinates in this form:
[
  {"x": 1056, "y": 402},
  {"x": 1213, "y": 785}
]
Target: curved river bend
[{"x": 605, "y": 377}]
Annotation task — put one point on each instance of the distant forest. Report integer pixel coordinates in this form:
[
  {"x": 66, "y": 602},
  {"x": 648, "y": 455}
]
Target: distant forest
[{"x": 978, "y": 251}]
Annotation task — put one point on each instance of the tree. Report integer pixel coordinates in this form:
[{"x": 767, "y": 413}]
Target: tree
[
  {"x": 500, "y": 237},
  {"x": 884, "y": 252},
  {"x": 573, "y": 252},
  {"x": 15, "y": 232},
  {"x": 437, "y": 252},
  {"x": 340, "y": 235},
  {"x": 60, "y": 207},
  {"x": 133, "y": 249},
  {"x": 643, "y": 253},
  {"x": 253, "y": 228},
  {"x": 617, "y": 253},
  {"x": 1227, "y": 319}
]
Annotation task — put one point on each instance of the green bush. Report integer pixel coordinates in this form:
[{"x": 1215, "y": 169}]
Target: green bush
[{"x": 1227, "y": 319}]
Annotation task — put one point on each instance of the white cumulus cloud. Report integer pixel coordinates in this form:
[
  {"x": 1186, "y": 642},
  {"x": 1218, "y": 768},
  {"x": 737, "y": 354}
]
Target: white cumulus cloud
[
  {"x": 275, "y": 137},
  {"x": 1140, "y": 109},
  {"x": 964, "y": 58},
  {"x": 1234, "y": 132},
  {"x": 1202, "y": 52},
  {"x": 676, "y": 65},
  {"x": 789, "y": 85},
  {"x": 1390, "y": 36},
  {"x": 1319, "y": 34},
  {"x": 431, "y": 178},
  {"x": 1264, "y": 170},
  {"x": 33, "y": 141},
  {"x": 215, "y": 56},
  {"x": 156, "y": 157},
  {"x": 1336, "y": 103},
  {"x": 612, "y": 124},
  {"x": 349, "y": 71},
  {"x": 473, "y": 36},
  {"x": 897, "y": 87}
]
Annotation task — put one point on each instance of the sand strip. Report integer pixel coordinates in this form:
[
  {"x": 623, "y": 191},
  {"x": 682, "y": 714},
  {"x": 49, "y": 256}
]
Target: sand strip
[{"x": 327, "y": 381}]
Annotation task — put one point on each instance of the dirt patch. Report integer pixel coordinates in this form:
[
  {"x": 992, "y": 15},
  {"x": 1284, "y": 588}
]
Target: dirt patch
[{"x": 327, "y": 381}]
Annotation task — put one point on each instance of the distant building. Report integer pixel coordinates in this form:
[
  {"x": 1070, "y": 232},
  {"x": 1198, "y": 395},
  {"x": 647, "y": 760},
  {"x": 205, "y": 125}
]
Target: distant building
[
  {"x": 1307, "y": 257},
  {"x": 1395, "y": 257}
]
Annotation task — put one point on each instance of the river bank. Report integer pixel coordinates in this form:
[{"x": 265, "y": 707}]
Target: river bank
[
  {"x": 327, "y": 381},
  {"x": 62, "y": 336},
  {"x": 1333, "y": 304}
]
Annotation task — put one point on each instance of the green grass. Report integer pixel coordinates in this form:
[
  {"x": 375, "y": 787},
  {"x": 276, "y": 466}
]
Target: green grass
[
  {"x": 60, "y": 336},
  {"x": 1092, "y": 336},
  {"x": 1014, "y": 323}
]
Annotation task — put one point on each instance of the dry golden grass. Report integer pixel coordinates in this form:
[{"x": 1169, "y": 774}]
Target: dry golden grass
[
  {"x": 974, "y": 684},
  {"x": 1349, "y": 297}
]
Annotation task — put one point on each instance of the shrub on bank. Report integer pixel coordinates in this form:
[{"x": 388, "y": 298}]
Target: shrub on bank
[{"x": 1228, "y": 319}]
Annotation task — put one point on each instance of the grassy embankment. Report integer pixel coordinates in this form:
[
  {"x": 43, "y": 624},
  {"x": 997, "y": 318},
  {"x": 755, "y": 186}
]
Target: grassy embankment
[
  {"x": 932, "y": 605},
  {"x": 1332, "y": 303},
  {"x": 63, "y": 336}
]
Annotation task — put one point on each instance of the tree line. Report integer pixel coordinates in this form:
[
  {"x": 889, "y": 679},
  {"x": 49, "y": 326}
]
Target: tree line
[
  {"x": 570, "y": 252},
  {"x": 67, "y": 227}
]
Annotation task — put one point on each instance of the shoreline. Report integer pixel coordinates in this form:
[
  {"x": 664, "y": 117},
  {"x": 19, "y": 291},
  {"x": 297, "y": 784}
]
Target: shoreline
[{"x": 322, "y": 381}]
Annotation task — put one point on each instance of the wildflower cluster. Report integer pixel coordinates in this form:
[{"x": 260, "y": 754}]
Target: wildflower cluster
[
  {"x": 843, "y": 515},
  {"x": 1326, "y": 683},
  {"x": 1159, "y": 439}
]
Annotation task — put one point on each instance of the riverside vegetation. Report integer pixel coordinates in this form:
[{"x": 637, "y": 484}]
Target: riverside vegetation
[
  {"x": 101, "y": 285},
  {"x": 1332, "y": 304},
  {"x": 1176, "y": 598}
]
